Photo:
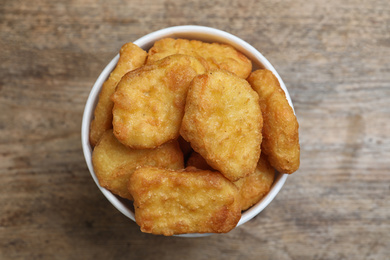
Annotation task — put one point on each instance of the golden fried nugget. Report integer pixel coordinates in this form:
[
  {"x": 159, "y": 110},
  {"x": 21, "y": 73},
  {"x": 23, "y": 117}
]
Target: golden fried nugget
[
  {"x": 213, "y": 55},
  {"x": 252, "y": 188},
  {"x": 255, "y": 186},
  {"x": 113, "y": 162},
  {"x": 149, "y": 102},
  {"x": 223, "y": 122},
  {"x": 172, "y": 202},
  {"x": 280, "y": 131},
  {"x": 131, "y": 57}
]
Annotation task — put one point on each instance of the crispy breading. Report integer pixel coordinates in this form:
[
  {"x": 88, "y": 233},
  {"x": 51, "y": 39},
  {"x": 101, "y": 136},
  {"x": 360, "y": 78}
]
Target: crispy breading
[
  {"x": 252, "y": 188},
  {"x": 223, "y": 122},
  {"x": 213, "y": 55},
  {"x": 113, "y": 162},
  {"x": 149, "y": 102},
  {"x": 131, "y": 57},
  {"x": 280, "y": 131},
  {"x": 255, "y": 186},
  {"x": 172, "y": 202}
]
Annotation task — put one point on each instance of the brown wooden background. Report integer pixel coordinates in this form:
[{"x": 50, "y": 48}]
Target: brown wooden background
[{"x": 334, "y": 57}]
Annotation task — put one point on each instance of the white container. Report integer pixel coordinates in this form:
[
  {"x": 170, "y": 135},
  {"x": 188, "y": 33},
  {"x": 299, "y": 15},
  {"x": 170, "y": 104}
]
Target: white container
[{"x": 201, "y": 33}]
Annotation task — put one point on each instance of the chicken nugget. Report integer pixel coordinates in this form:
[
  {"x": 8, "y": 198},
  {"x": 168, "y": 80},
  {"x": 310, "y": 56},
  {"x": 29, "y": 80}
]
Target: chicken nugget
[
  {"x": 113, "y": 162},
  {"x": 280, "y": 130},
  {"x": 213, "y": 55},
  {"x": 252, "y": 188},
  {"x": 149, "y": 102},
  {"x": 255, "y": 186},
  {"x": 172, "y": 202},
  {"x": 223, "y": 122},
  {"x": 131, "y": 57}
]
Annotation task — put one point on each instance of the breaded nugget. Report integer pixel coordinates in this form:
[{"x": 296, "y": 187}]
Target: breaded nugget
[
  {"x": 255, "y": 186},
  {"x": 252, "y": 188},
  {"x": 171, "y": 202},
  {"x": 149, "y": 102},
  {"x": 113, "y": 162},
  {"x": 280, "y": 131},
  {"x": 213, "y": 55},
  {"x": 223, "y": 122},
  {"x": 131, "y": 57}
]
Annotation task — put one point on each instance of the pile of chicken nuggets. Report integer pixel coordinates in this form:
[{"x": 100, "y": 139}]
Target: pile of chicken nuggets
[{"x": 191, "y": 135}]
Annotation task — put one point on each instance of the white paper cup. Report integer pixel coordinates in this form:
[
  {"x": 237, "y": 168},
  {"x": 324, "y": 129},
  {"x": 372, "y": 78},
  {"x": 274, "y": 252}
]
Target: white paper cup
[{"x": 201, "y": 33}]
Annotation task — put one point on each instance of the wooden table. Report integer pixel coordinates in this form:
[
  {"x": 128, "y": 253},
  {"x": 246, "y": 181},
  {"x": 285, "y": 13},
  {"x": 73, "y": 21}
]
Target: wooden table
[{"x": 334, "y": 57}]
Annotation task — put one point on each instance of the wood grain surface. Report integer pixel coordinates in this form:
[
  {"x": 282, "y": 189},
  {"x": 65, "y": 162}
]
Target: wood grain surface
[{"x": 334, "y": 57}]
